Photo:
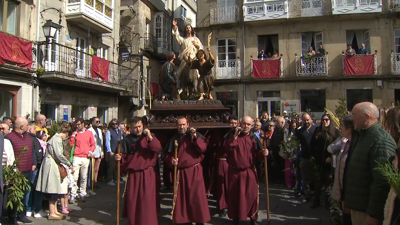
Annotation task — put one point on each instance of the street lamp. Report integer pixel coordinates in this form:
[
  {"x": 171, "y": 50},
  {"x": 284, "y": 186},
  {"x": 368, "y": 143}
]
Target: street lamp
[{"x": 50, "y": 28}]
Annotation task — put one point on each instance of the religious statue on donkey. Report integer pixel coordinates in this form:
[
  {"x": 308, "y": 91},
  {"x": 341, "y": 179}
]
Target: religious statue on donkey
[{"x": 188, "y": 76}]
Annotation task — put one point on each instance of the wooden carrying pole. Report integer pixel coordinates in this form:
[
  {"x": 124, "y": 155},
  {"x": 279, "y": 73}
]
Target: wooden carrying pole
[
  {"x": 93, "y": 173},
  {"x": 266, "y": 182},
  {"x": 175, "y": 181},
  {"x": 118, "y": 179}
]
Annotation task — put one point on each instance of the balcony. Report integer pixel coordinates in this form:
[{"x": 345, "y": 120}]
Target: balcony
[
  {"x": 312, "y": 66},
  {"x": 268, "y": 68},
  {"x": 265, "y": 10},
  {"x": 394, "y": 5},
  {"x": 228, "y": 69},
  {"x": 64, "y": 65},
  {"x": 360, "y": 65},
  {"x": 156, "y": 45},
  {"x": 226, "y": 14},
  {"x": 309, "y": 8},
  {"x": 96, "y": 14},
  {"x": 395, "y": 63},
  {"x": 356, "y": 6}
]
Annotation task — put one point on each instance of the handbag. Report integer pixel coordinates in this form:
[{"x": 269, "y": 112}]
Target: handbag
[{"x": 63, "y": 172}]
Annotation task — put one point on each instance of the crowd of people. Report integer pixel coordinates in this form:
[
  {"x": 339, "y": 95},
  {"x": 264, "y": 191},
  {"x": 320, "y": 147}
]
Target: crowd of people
[
  {"x": 341, "y": 157},
  {"x": 77, "y": 147}
]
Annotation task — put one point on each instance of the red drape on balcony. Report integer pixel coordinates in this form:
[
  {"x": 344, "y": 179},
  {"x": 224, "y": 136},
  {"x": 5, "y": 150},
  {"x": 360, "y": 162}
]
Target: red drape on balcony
[
  {"x": 100, "y": 68},
  {"x": 359, "y": 64},
  {"x": 266, "y": 68},
  {"x": 15, "y": 50},
  {"x": 154, "y": 89}
]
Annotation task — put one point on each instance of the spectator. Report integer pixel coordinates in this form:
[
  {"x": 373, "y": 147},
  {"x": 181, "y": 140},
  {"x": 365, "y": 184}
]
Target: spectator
[
  {"x": 9, "y": 122},
  {"x": 40, "y": 125},
  {"x": 123, "y": 129},
  {"x": 365, "y": 189},
  {"x": 347, "y": 132},
  {"x": 50, "y": 181},
  {"x": 323, "y": 136},
  {"x": 7, "y": 152},
  {"x": 350, "y": 50},
  {"x": 304, "y": 135},
  {"x": 98, "y": 152},
  {"x": 321, "y": 51},
  {"x": 87, "y": 124},
  {"x": 264, "y": 121},
  {"x": 112, "y": 136},
  {"x": 277, "y": 138},
  {"x": 22, "y": 144},
  {"x": 84, "y": 148},
  {"x": 4, "y": 128},
  {"x": 34, "y": 200},
  {"x": 258, "y": 132},
  {"x": 262, "y": 55},
  {"x": 363, "y": 50}
]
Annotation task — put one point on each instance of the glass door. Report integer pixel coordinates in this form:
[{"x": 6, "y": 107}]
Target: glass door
[{"x": 270, "y": 105}]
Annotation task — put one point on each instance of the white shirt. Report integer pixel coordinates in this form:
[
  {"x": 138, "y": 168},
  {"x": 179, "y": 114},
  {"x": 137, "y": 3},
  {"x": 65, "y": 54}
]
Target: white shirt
[{"x": 8, "y": 153}]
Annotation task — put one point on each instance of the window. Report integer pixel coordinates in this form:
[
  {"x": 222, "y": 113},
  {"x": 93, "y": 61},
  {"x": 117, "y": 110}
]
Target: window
[
  {"x": 313, "y": 100},
  {"x": 158, "y": 27},
  {"x": 313, "y": 39},
  {"x": 102, "y": 114},
  {"x": 225, "y": 3},
  {"x": 81, "y": 50},
  {"x": 268, "y": 43},
  {"x": 230, "y": 100},
  {"x": 11, "y": 23},
  {"x": 356, "y": 38},
  {"x": 397, "y": 41},
  {"x": 355, "y": 96},
  {"x": 183, "y": 12},
  {"x": 227, "y": 58}
]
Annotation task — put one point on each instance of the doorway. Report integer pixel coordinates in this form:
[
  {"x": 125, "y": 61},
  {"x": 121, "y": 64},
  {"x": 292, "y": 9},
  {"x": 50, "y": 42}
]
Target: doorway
[{"x": 268, "y": 101}]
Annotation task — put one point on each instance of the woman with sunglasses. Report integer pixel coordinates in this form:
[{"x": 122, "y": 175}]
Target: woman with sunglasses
[{"x": 323, "y": 136}]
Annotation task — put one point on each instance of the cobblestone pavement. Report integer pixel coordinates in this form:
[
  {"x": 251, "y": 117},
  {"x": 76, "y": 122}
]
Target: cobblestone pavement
[{"x": 285, "y": 209}]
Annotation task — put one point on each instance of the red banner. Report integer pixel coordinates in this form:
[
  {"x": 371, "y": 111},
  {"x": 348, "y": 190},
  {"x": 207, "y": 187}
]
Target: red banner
[
  {"x": 15, "y": 50},
  {"x": 358, "y": 64},
  {"x": 100, "y": 68},
  {"x": 267, "y": 68}
]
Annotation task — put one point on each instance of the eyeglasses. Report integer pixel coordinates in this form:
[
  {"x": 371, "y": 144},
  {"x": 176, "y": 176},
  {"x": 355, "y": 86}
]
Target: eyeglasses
[
  {"x": 325, "y": 120},
  {"x": 78, "y": 124},
  {"x": 114, "y": 124},
  {"x": 97, "y": 121},
  {"x": 271, "y": 125},
  {"x": 2, "y": 128}
]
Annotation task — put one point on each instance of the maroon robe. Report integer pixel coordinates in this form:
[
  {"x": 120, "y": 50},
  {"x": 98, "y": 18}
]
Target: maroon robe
[
  {"x": 242, "y": 176},
  {"x": 191, "y": 200},
  {"x": 139, "y": 160}
]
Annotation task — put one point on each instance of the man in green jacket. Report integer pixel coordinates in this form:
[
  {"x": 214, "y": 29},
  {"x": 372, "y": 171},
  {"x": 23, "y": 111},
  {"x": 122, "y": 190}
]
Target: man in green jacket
[{"x": 365, "y": 189}]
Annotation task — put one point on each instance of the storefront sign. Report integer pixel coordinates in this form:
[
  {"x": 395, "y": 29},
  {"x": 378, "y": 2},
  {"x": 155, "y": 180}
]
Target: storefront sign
[
  {"x": 291, "y": 106},
  {"x": 65, "y": 114}
]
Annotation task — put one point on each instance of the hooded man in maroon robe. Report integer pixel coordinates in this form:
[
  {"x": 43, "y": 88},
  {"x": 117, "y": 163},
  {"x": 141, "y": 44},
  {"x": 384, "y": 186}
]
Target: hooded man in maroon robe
[
  {"x": 243, "y": 147},
  {"x": 191, "y": 205},
  {"x": 139, "y": 151}
]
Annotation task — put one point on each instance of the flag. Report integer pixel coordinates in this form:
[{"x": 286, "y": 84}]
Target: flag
[
  {"x": 15, "y": 50},
  {"x": 267, "y": 68},
  {"x": 359, "y": 64},
  {"x": 100, "y": 68}
]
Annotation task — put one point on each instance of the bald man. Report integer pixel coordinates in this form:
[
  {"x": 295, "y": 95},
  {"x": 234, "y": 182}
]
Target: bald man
[
  {"x": 243, "y": 147},
  {"x": 40, "y": 124},
  {"x": 365, "y": 189},
  {"x": 20, "y": 139}
]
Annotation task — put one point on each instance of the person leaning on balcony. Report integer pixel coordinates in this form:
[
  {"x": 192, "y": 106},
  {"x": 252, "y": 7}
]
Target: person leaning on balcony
[
  {"x": 321, "y": 51},
  {"x": 276, "y": 55},
  {"x": 350, "y": 50},
  {"x": 363, "y": 50},
  {"x": 262, "y": 55},
  {"x": 311, "y": 51}
]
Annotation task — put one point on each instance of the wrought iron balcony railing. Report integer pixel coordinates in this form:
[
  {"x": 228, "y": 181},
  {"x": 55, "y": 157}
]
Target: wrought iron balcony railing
[
  {"x": 67, "y": 61},
  {"x": 312, "y": 66},
  {"x": 228, "y": 69},
  {"x": 395, "y": 63},
  {"x": 225, "y": 14},
  {"x": 154, "y": 44}
]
